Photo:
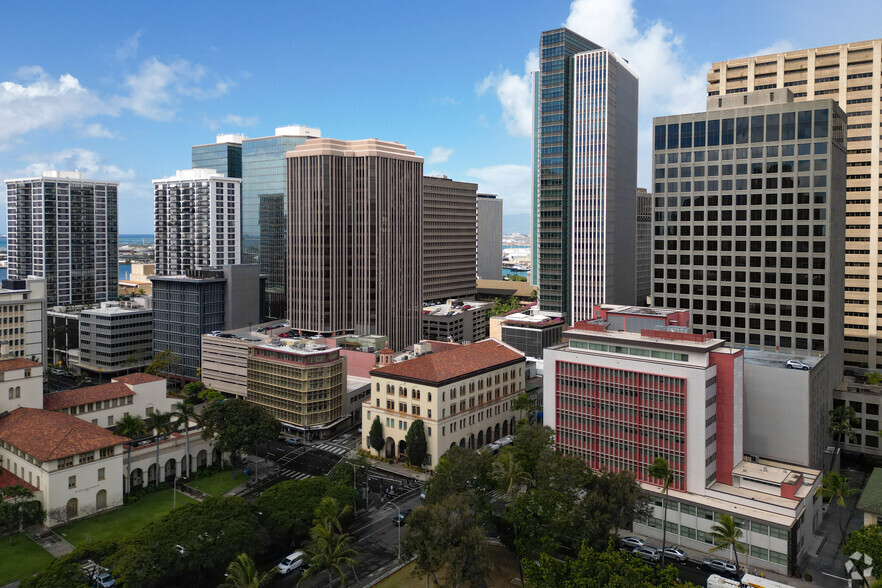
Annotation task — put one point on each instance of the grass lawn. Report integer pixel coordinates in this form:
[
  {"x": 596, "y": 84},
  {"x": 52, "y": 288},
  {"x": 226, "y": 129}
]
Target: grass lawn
[
  {"x": 503, "y": 568},
  {"x": 122, "y": 521},
  {"x": 218, "y": 483},
  {"x": 22, "y": 559}
]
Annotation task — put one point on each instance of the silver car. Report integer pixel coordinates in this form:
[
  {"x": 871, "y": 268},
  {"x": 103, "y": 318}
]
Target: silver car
[
  {"x": 648, "y": 553},
  {"x": 675, "y": 553}
]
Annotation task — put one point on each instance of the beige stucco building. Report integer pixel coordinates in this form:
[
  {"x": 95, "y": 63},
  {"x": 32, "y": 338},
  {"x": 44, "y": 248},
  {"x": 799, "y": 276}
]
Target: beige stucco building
[
  {"x": 463, "y": 394},
  {"x": 851, "y": 74}
]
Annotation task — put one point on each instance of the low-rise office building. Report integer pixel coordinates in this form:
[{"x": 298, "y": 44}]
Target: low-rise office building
[
  {"x": 23, "y": 314},
  {"x": 117, "y": 336},
  {"x": 531, "y": 333},
  {"x": 456, "y": 321},
  {"x": 462, "y": 393},
  {"x": 866, "y": 400}
]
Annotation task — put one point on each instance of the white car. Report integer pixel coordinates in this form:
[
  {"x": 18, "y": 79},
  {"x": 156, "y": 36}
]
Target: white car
[
  {"x": 795, "y": 364},
  {"x": 295, "y": 561}
]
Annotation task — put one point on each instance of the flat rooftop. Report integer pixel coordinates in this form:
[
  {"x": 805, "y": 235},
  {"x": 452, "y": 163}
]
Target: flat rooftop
[
  {"x": 651, "y": 311},
  {"x": 354, "y": 383},
  {"x": 252, "y": 335},
  {"x": 453, "y": 310},
  {"x": 755, "y": 511},
  {"x": 529, "y": 318},
  {"x": 670, "y": 339},
  {"x": 297, "y": 346},
  {"x": 778, "y": 358}
]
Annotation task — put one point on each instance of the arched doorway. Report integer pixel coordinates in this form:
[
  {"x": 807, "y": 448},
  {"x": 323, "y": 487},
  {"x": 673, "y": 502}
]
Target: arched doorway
[
  {"x": 512, "y": 426},
  {"x": 472, "y": 441},
  {"x": 137, "y": 479},
  {"x": 171, "y": 470},
  {"x": 489, "y": 435},
  {"x": 101, "y": 500},
  {"x": 496, "y": 434},
  {"x": 504, "y": 428},
  {"x": 390, "y": 448},
  {"x": 151, "y": 474},
  {"x": 452, "y": 445},
  {"x": 402, "y": 449},
  {"x": 201, "y": 459},
  {"x": 73, "y": 507},
  {"x": 215, "y": 457},
  {"x": 480, "y": 438},
  {"x": 462, "y": 442}
]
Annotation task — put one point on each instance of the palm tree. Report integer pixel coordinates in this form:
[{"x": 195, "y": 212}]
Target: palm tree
[
  {"x": 842, "y": 420},
  {"x": 727, "y": 534},
  {"x": 242, "y": 573},
  {"x": 184, "y": 413},
  {"x": 521, "y": 403},
  {"x": 329, "y": 513},
  {"x": 130, "y": 426},
  {"x": 835, "y": 487},
  {"x": 328, "y": 552},
  {"x": 662, "y": 471},
  {"x": 508, "y": 474},
  {"x": 162, "y": 425}
]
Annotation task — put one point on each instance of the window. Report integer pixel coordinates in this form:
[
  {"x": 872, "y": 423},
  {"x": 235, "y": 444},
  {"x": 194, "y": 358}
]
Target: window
[
  {"x": 100, "y": 473},
  {"x": 107, "y": 452},
  {"x": 72, "y": 482},
  {"x": 65, "y": 462}
]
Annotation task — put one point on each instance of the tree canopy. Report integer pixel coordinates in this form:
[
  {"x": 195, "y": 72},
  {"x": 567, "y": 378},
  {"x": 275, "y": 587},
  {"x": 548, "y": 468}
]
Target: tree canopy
[
  {"x": 237, "y": 426},
  {"x": 866, "y": 540},
  {"x": 290, "y": 506},
  {"x": 417, "y": 446},
  {"x": 376, "y": 436}
]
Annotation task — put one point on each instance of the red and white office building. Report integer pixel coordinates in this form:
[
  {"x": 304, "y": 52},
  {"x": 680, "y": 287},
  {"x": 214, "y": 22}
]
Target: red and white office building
[{"x": 634, "y": 384}]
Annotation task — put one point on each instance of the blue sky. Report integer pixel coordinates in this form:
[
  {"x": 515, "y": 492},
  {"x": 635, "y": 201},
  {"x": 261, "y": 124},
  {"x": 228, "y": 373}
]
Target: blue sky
[{"x": 122, "y": 90}]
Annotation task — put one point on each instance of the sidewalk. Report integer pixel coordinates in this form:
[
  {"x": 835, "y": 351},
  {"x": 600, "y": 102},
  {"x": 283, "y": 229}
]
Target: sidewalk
[
  {"x": 400, "y": 470},
  {"x": 49, "y": 540}
]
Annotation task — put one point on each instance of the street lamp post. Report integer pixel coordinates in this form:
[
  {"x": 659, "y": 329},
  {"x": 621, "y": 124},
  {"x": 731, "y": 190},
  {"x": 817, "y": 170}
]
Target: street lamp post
[{"x": 399, "y": 529}]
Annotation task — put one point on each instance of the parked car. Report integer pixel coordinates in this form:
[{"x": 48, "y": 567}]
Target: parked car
[
  {"x": 423, "y": 495},
  {"x": 634, "y": 542},
  {"x": 675, "y": 553},
  {"x": 795, "y": 364},
  {"x": 294, "y": 441},
  {"x": 295, "y": 561},
  {"x": 648, "y": 553},
  {"x": 97, "y": 576},
  {"x": 104, "y": 580},
  {"x": 400, "y": 519},
  {"x": 720, "y": 566}
]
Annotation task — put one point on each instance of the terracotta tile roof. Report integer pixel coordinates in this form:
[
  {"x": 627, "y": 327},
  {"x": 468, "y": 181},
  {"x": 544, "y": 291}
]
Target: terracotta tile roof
[
  {"x": 139, "y": 378},
  {"x": 49, "y": 435},
  {"x": 8, "y": 479},
  {"x": 78, "y": 396},
  {"x": 18, "y": 363},
  {"x": 452, "y": 364}
]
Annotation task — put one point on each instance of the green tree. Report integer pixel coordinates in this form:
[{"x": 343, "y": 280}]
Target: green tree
[
  {"x": 516, "y": 278},
  {"x": 289, "y": 507},
  {"x": 184, "y": 413},
  {"x": 18, "y": 508},
  {"x": 593, "y": 568},
  {"x": 834, "y": 488},
  {"x": 866, "y": 540},
  {"x": 534, "y": 295},
  {"x": 329, "y": 513},
  {"x": 417, "y": 446},
  {"x": 522, "y": 404},
  {"x": 191, "y": 391},
  {"x": 210, "y": 395},
  {"x": 662, "y": 472},
  {"x": 164, "y": 363},
  {"x": 842, "y": 421},
  {"x": 533, "y": 444},
  {"x": 163, "y": 425},
  {"x": 242, "y": 573},
  {"x": 237, "y": 426},
  {"x": 447, "y": 536},
  {"x": 329, "y": 552},
  {"x": 508, "y": 474},
  {"x": 132, "y": 427},
  {"x": 461, "y": 471},
  {"x": 376, "y": 436},
  {"x": 65, "y": 570},
  {"x": 874, "y": 378},
  {"x": 726, "y": 535}
]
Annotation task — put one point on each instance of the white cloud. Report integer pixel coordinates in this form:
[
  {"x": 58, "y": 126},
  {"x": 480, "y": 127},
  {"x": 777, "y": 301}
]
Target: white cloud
[
  {"x": 96, "y": 130},
  {"x": 779, "y": 46},
  {"x": 129, "y": 46},
  {"x": 93, "y": 165},
  {"x": 514, "y": 94},
  {"x": 43, "y": 102},
  {"x": 510, "y": 181},
  {"x": 445, "y": 101},
  {"x": 439, "y": 155},
  {"x": 155, "y": 91}
]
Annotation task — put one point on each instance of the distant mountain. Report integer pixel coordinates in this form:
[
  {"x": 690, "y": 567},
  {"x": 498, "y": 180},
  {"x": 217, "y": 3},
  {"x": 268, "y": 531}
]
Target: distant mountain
[{"x": 516, "y": 223}]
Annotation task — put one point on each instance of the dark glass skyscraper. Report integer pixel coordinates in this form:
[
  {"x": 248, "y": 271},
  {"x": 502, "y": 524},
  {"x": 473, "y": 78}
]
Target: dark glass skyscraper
[{"x": 224, "y": 156}]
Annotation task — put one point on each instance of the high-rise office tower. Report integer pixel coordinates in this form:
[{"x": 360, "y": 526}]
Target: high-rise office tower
[
  {"x": 264, "y": 207},
  {"x": 196, "y": 221},
  {"x": 64, "y": 228},
  {"x": 749, "y": 221},
  {"x": 489, "y": 237},
  {"x": 223, "y": 156},
  {"x": 536, "y": 78},
  {"x": 355, "y": 242},
  {"x": 850, "y": 74},
  {"x": 587, "y": 175},
  {"x": 450, "y": 226},
  {"x": 643, "y": 244}
]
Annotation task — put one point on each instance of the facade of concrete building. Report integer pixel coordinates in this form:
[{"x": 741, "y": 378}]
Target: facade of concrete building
[
  {"x": 63, "y": 335},
  {"x": 619, "y": 399},
  {"x": 23, "y": 312},
  {"x": 456, "y": 321},
  {"x": 489, "y": 237},
  {"x": 196, "y": 221},
  {"x": 750, "y": 221},
  {"x": 450, "y": 229},
  {"x": 462, "y": 393},
  {"x": 849, "y": 74},
  {"x": 643, "y": 247},
  {"x": 265, "y": 208},
  {"x": 866, "y": 400},
  {"x": 355, "y": 240},
  {"x": 188, "y": 306},
  {"x": 531, "y": 333},
  {"x": 117, "y": 336},
  {"x": 302, "y": 384},
  {"x": 21, "y": 384},
  {"x": 223, "y": 156},
  {"x": 64, "y": 228},
  {"x": 587, "y": 176}
]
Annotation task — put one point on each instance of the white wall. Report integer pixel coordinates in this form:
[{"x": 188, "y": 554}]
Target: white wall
[{"x": 31, "y": 389}]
